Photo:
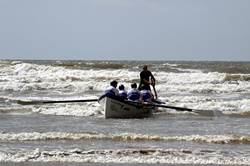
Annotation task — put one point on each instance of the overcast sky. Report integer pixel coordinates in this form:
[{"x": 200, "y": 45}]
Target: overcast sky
[{"x": 125, "y": 29}]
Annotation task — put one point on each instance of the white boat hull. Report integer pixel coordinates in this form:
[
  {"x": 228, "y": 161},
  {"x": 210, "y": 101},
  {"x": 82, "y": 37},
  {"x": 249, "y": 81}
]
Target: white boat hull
[{"x": 114, "y": 108}]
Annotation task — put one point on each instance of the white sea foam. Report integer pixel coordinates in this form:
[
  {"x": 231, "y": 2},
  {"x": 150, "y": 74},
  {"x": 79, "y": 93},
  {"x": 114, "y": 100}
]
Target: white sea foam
[
  {"x": 146, "y": 156},
  {"x": 36, "y": 136},
  {"x": 86, "y": 109},
  {"x": 24, "y": 76},
  {"x": 193, "y": 89}
]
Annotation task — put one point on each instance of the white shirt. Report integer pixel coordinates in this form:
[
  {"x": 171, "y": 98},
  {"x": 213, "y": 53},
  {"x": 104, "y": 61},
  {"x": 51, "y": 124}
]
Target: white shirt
[
  {"x": 134, "y": 94},
  {"x": 113, "y": 90}
]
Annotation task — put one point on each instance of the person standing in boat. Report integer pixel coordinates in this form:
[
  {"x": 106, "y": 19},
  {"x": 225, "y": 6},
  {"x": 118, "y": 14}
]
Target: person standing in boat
[
  {"x": 122, "y": 92},
  {"x": 146, "y": 79},
  {"x": 111, "y": 91},
  {"x": 134, "y": 94}
]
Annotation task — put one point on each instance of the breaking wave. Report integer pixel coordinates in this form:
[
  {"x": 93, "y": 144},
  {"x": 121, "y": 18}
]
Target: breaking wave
[
  {"x": 187, "y": 86},
  {"x": 146, "y": 156},
  {"x": 36, "y": 136},
  {"x": 237, "y": 77},
  {"x": 92, "y": 64}
]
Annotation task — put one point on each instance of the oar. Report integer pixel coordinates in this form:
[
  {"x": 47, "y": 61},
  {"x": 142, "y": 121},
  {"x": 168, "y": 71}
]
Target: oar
[
  {"x": 155, "y": 91},
  {"x": 23, "y": 102},
  {"x": 201, "y": 112}
]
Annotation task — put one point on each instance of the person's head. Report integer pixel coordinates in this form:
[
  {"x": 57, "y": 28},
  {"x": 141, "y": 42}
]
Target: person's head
[
  {"x": 114, "y": 83},
  {"x": 145, "y": 67},
  {"x": 134, "y": 85},
  {"x": 121, "y": 87}
]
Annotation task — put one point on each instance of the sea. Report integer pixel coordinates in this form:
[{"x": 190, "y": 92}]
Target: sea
[{"x": 78, "y": 134}]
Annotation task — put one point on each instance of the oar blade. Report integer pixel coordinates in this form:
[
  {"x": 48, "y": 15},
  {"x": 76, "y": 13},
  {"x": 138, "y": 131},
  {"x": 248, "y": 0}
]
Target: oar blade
[
  {"x": 28, "y": 102},
  {"x": 204, "y": 112},
  {"x": 200, "y": 112},
  {"x": 34, "y": 102}
]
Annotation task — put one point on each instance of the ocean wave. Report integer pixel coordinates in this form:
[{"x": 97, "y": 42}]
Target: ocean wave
[
  {"x": 27, "y": 77},
  {"x": 15, "y": 110},
  {"x": 242, "y": 113},
  {"x": 187, "y": 89},
  {"x": 146, "y": 156},
  {"x": 92, "y": 65},
  {"x": 84, "y": 110},
  {"x": 237, "y": 77},
  {"x": 218, "y": 107},
  {"x": 37, "y": 136}
]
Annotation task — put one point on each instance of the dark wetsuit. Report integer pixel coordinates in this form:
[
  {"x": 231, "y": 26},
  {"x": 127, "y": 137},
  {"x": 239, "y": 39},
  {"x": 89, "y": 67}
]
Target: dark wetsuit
[{"x": 145, "y": 75}]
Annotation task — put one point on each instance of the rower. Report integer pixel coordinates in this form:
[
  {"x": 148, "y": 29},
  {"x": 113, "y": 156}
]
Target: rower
[
  {"x": 146, "y": 78},
  {"x": 146, "y": 95},
  {"x": 122, "y": 92},
  {"x": 134, "y": 94},
  {"x": 111, "y": 91}
]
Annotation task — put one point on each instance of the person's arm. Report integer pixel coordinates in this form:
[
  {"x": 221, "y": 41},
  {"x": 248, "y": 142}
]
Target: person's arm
[
  {"x": 146, "y": 81},
  {"x": 152, "y": 76},
  {"x": 152, "y": 96},
  {"x": 152, "y": 79},
  {"x": 141, "y": 77},
  {"x": 140, "y": 99}
]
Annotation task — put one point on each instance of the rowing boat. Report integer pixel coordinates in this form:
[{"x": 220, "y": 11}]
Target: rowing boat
[{"x": 117, "y": 108}]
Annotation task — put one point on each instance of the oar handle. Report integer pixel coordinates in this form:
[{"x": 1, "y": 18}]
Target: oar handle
[{"x": 156, "y": 97}]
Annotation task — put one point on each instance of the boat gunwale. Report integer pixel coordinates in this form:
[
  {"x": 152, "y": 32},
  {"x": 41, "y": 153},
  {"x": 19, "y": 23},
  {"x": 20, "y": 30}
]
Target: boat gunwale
[{"x": 129, "y": 102}]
